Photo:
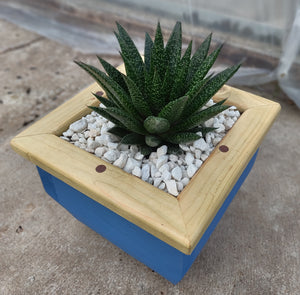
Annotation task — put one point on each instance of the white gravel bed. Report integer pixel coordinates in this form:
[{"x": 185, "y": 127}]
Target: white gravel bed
[{"x": 170, "y": 173}]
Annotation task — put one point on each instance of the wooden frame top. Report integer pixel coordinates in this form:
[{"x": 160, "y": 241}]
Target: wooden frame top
[{"x": 180, "y": 221}]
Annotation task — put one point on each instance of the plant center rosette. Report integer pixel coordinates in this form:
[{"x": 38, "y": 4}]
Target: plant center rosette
[{"x": 158, "y": 121}]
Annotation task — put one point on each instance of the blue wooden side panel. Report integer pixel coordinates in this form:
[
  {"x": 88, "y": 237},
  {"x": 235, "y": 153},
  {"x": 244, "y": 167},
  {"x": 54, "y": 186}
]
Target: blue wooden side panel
[{"x": 156, "y": 254}]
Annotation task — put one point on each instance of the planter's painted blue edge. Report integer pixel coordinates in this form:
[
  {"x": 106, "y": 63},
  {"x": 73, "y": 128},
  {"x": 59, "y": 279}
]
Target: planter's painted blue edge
[{"x": 156, "y": 254}]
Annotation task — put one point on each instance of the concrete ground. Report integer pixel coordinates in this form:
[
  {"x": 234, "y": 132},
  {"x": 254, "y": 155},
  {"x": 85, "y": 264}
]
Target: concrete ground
[{"x": 255, "y": 248}]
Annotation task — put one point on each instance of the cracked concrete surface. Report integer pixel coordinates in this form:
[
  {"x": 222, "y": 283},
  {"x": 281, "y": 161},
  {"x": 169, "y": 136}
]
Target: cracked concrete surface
[{"x": 44, "y": 250}]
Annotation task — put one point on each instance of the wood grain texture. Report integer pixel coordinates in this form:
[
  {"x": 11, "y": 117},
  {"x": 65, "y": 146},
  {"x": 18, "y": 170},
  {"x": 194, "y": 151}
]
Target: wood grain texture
[{"x": 179, "y": 222}]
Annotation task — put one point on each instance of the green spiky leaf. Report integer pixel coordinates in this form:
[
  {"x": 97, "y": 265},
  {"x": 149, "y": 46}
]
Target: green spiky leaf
[
  {"x": 198, "y": 58},
  {"x": 102, "y": 112},
  {"x": 173, "y": 47},
  {"x": 118, "y": 94},
  {"x": 200, "y": 117},
  {"x": 106, "y": 102},
  {"x": 167, "y": 85},
  {"x": 173, "y": 110},
  {"x": 156, "y": 99},
  {"x": 215, "y": 84},
  {"x": 146, "y": 150},
  {"x": 133, "y": 138},
  {"x": 205, "y": 66},
  {"x": 158, "y": 60},
  {"x": 118, "y": 131},
  {"x": 111, "y": 71},
  {"x": 137, "y": 98},
  {"x": 179, "y": 85},
  {"x": 182, "y": 137},
  {"x": 130, "y": 51},
  {"x": 128, "y": 121},
  {"x": 147, "y": 51}
]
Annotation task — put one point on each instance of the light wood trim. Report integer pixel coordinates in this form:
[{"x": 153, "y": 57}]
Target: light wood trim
[
  {"x": 179, "y": 222},
  {"x": 135, "y": 200}
]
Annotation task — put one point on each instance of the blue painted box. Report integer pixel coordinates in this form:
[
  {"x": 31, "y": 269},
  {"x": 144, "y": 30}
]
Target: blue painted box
[{"x": 156, "y": 254}]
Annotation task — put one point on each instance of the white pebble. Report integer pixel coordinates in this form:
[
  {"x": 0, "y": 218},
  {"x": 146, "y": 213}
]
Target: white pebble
[
  {"x": 203, "y": 157},
  {"x": 230, "y": 113},
  {"x": 185, "y": 181},
  {"x": 161, "y": 151},
  {"x": 121, "y": 161},
  {"x": 161, "y": 160},
  {"x": 90, "y": 118},
  {"x": 94, "y": 132},
  {"x": 210, "y": 122},
  {"x": 216, "y": 140},
  {"x": 200, "y": 144},
  {"x": 220, "y": 127},
  {"x": 130, "y": 164},
  {"x": 68, "y": 133},
  {"x": 90, "y": 150},
  {"x": 82, "y": 140},
  {"x": 191, "y": 170},
  {"x": 173, "y": 158},
  {"x": 104, "y": 129},
  {"x": 198, "y": 163},
  {"x": 139, "y": 156},
  {"x": 210, "y": 103},
  {"x": 79, "y": 125},
  {"x": 189, "y": 158},
  {"x": 171, "y": 187},
  {"x": 198, "y": 154},
  {"x": 153, "y": 156},
  {"x": 145, "y": 172},
  {"x": 208, "y": 137},
  {"x": 123, "y": 147},
  {"x": 65, "y": 138},
  {"x": 149, "y": 180},
  {"x": 137, "y": 171},
  {"x": 171, "y": 165},
  {"x": 221, "y": 118},
  {"x": 103, "y": 139},
  {"x": 177, "y": 173},
  {"x": 75, "y": 137},
  {"x": 157, "y": 174},
  {"x": 99, "y": 152},
  {"x": 111, "y": 155},
  {"x": 228, "y": 123},
  {"x": 184, "y": 147},
  {"x": 112, "y": 145},
  {"x": 237, "y": 114},
  {"x": 179, "y": 186},
  {"x": 162, "y": 186},
  {"x": 164, "y": 167},
  {"x": 153, "y": 170},
  {"x": 91, "y": 144},
  {"x": 134, "y": 149},
  {"x": 157, "y": 182},
  {"x": 166, "y": 175}
]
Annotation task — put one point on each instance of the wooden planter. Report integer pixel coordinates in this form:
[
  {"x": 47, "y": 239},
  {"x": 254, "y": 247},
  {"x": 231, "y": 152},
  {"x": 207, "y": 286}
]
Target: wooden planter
[{"x": 164, "y": 232}]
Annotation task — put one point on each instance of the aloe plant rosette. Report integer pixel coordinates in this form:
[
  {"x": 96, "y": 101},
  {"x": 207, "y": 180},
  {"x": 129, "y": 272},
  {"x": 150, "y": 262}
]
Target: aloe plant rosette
[{"x": 160, "y": 99}]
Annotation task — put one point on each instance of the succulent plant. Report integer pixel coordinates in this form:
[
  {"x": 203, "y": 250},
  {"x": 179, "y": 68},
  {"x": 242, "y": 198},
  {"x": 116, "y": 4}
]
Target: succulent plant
[{"x": 160, "y": 99}]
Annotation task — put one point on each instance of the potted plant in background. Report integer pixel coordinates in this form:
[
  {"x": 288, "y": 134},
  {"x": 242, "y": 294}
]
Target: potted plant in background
[{"x": 159, "y": 105}]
